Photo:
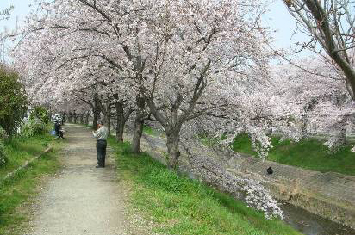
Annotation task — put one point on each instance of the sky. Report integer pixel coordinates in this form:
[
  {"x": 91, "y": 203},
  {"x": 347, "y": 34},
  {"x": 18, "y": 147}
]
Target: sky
[
  {"x": 21, "y": 10},
  {"x": 277, "y": 18}
]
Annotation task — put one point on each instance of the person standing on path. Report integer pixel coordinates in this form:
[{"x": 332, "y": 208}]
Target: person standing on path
[
  {"x": 59, "y": 131},
  {"x": 101, "y": 135}
]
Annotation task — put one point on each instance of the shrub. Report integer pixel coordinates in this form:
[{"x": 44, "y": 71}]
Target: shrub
[
  {"x": 3, "y": 158},
  {"x": 13, "y": 101},
  {"x": 40, "y": 113},
  {"x": 3, "y": 134},
  {"x": 37, "y": 123},
  {"x": 33, "y": 127}
]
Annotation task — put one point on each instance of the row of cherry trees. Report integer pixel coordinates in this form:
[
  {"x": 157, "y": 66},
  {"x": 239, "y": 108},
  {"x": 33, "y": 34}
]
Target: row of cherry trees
[
  {"x": 195, "y": 66},
  {"x": 187, "y": 64},
  {"x": 330, "y": 26},
  {"x": 174, "y": 60}
]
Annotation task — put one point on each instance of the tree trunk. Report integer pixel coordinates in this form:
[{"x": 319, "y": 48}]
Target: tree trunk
[
  {"x": 120, "y": 130},
  {"x": 342, "y": 136},
  {"x": 70, "y": 117},
  {"x": 75, "y": 118},
  {"x": 120, "y": 121},
  {"x": 82, "y": 119},
  {"x": 64, "y": 118},
  {"x": 138, "y": 124},
  {"x": 96, "y": 115},
  {"x": 172, "y": 131},
  {"x": 172, "y": 143},
  {"x": 137, "y": 134},
  {"x": 87, "y": 115},
  {"x": 96, "y": 111},
  {"x": 108, "y": 119},
  {"x": 304, "y": 126}
]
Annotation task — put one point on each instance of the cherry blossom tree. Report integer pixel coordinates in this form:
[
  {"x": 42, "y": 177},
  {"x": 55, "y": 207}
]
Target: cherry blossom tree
[
  {"x": 188, "y": 42},
  {"x": 206, "y": 46},
  {"x": 318, "y": 95},
  {"x": 82, "y": 69},
  {"x": 330, "y": 24}
]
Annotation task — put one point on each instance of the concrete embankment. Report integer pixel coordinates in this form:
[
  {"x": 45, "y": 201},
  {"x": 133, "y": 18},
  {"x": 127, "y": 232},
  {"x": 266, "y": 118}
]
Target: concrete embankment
[{"x": 330, "y": 195}]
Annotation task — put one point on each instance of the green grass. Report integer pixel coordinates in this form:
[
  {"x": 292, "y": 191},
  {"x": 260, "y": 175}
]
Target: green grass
[
  {"x": 150, "y": 131},
  {"x": 307, "y": 153},
  {"x": 243, "y": 144},
  {"x": 21, "y": 188},
  {"x": 19, "y": 150},
  {"x": 178, "y": 205}
]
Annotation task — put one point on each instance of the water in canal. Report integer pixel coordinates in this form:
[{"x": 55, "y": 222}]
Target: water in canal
[{"x": 312, "y": 224}]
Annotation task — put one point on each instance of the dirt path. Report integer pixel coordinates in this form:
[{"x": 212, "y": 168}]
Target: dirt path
[{"x": 81, "y": 199}]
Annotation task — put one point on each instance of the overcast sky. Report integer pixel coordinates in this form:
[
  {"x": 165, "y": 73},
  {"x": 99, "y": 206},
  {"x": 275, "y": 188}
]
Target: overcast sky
[
  {"x": 21, "y": 10},
  {"x": 277, "y": 18}
]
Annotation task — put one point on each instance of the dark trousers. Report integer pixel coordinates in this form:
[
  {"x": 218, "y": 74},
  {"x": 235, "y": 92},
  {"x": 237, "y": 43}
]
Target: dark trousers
[
  {"x": 61, "y": 134},
  {"x": 101, "y": 152}
]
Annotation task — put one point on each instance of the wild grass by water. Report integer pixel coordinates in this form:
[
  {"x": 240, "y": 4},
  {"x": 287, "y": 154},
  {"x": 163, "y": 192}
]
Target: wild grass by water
[
  {"x": 308, "y": 154},
  {"x": 179, "y": 205},
  {"x": 21, "y": 189}
]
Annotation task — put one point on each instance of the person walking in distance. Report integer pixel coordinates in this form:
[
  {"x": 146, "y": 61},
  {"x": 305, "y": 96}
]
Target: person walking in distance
[
  {"x": 101, "y": 135},
  {"x": 58, "y": 130}
]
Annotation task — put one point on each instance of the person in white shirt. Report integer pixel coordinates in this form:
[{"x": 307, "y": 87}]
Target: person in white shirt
[{"x": 101, "y": 135}]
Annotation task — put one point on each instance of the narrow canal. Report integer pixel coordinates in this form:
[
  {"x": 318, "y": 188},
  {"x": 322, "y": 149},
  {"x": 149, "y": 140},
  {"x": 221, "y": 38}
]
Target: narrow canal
[
  {"x": 312, "y": 224},
  {"x": 300, "y": 219}
]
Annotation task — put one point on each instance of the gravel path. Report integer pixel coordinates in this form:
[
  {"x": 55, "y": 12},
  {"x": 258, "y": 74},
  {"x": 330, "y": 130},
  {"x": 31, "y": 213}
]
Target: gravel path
[{"x": 81, "y": 200}]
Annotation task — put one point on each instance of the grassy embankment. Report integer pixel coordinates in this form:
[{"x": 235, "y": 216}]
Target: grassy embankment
[
  {"x": 308, "y": 154},
  {"x": 150, "y": 131},
  {"x": 20, "y": 189},
  {"x": 178, "y": 205}
]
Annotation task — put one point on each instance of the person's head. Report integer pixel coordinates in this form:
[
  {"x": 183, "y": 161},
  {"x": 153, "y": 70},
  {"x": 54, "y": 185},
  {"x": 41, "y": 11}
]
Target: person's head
[{"x": 100, "y": 124}]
